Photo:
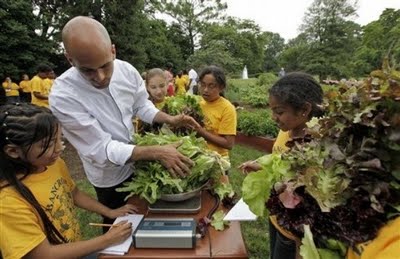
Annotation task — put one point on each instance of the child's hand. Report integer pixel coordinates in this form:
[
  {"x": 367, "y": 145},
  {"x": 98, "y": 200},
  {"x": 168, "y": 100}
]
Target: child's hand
[
  {"x": 121, "y": 211},
  {"x": 184, "y": 121},
  {"x": 119, "y": 233},
  {"x": 249, "y": 166}
]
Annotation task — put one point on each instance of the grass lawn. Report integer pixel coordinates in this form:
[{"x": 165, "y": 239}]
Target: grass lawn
[{"x": 254, "y": 233}]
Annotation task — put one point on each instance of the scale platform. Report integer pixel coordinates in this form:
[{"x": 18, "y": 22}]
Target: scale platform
[{"x": 190, "y": 206}]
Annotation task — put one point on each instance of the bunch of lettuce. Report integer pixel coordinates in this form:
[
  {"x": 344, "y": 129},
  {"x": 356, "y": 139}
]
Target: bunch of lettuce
[
  {"x": 184, "y": 104},
  {"x": 176, "y": 105},
  {"x": 151, "y": 178},
  {"x": 345, "y": 182}
]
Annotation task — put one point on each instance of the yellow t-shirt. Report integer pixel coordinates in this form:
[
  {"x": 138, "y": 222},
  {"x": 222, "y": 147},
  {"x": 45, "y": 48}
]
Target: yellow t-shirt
[
  {"x": 280, "y": 142},
  {"x": 160, "y": 105},
  {"x": 187, "y": 80},
  {"x": 25, "y": 85},
  {"x": 180, "y": 84},
  {"x": 41, "y": 86},
  {"x": 219, "y": 119},
  {"x": 386, "y": 245},
  {"x": 20, "y": 224},
  {"x": 13, "y": 91}
]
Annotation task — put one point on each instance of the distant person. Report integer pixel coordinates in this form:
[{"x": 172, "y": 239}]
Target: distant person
[
  {"x": 185, "y": 75},
  {"x": 282, "y": 72},
  {"x": 180, "y": 84},
  {"x": 38, "y": 196},
  {"x": 192, "y": 81},
  {"x": 25, "y": 89},
  {"x": 40, "y": 86},
  {"x": 12, "y": 90},
  {"x": 95, "y": 101},
  {"x": 169, "y": 75}
]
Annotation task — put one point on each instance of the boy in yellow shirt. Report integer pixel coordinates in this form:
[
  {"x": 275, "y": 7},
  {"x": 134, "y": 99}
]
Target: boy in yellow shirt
[
  {"x": 25, "y": 86},
  {"x": 41, "y": 87}
]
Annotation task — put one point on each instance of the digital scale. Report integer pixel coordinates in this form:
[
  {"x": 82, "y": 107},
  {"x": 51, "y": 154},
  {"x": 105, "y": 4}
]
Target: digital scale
[
  {"x": 190, "y": 206},
  {"x": 165, "y": 233}
]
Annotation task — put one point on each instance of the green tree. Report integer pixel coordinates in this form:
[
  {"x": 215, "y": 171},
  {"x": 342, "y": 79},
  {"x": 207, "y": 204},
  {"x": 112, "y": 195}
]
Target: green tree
[
  {"x": 217, "y": 54},
  {"x": 21, "y": 49},
  {"x": 242, "y": 39},
  {"x": 381, "y": 38},
  {"x": 125, "y": 21},
  {"x": 192, "y": 15},
  {"x": 332, "y": 37},
  {"x": 273, "y": 48},
  {"x": 294, "y": 54},
  {"x": 127, "y": 25},
  {"x": 165, "y": 44}
]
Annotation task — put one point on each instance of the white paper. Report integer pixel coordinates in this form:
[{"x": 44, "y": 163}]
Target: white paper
[
  {"x": 123, "y": 247},
  {"x": 240, "y": 212}
]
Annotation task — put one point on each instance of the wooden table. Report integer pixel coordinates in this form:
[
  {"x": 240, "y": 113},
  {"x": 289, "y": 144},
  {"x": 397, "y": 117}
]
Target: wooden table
[{"x": 216, "y": 244}]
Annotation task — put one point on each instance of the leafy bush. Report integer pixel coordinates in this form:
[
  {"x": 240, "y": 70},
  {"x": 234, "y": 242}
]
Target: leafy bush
[
  {"x": 257, "y": 123},
  {"x": 266, "y": 79},
  {"x": 255, "y": 95},
  {"x": 235, "y": 88}
]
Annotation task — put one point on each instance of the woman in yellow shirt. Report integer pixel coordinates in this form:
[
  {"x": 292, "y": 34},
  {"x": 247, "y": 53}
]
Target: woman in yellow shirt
[{"x": 12, "y": 90}]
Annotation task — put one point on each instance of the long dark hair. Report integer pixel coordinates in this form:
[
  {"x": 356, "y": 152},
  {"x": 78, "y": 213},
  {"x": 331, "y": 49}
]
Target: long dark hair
[{"x": 23, "y": 125}]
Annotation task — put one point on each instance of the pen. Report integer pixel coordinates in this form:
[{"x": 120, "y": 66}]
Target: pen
[{"x": 103, "y": 225}]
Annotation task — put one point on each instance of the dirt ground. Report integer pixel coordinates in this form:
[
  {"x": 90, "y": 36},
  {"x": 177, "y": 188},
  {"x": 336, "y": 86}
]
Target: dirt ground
[{"x": 73, "y": 162}]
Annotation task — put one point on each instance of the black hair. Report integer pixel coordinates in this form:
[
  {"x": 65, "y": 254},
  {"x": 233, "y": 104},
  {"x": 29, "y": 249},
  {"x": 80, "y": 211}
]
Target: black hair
[
  {"x": 23, "y": 125},
  {"x": 43, "y": 68},
  {"x": 169, "y": 65},
  {"x": 217, "y": 72},
  {"x": 298, "y": 88}
]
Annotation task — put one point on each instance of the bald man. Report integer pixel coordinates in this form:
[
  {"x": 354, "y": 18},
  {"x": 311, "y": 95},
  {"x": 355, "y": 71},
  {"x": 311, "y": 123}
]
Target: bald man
[{"x": 95, "y": 101}]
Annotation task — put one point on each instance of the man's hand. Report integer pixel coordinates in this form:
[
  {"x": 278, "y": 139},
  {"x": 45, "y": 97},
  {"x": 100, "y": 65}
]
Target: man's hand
[{"x": 175, "y": 162}]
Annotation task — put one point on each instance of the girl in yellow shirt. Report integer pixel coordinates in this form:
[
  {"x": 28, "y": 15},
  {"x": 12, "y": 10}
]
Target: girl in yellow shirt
[
  {"x": 35, "y": 183},
  {"x": 294, "y": 100},
  {"x": 219, "y": 114},
  {"x": 156, "y": 86}
]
